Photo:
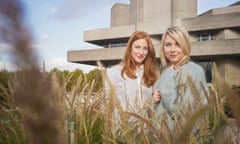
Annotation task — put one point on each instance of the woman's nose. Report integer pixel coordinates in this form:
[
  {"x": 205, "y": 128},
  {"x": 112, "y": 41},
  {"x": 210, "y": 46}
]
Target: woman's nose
[
  {"x": 141, "y": 51},
  {"x": 172, "y": 49}
]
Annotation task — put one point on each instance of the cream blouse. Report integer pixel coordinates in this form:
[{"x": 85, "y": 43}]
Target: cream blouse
[{"x": 132, "y": 93}]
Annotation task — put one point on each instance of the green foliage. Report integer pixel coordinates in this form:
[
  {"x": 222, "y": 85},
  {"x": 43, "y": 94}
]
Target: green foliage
[
  {"x": 95, "y": 75},
  {"x": 4, "y": 76},
  {"x": 67, "y": 78},
  {"x": 77, "y": 73},
  {"x": 75, "y": 76},
  {"x": 5, "y": 101},
  {"x": 11, "y": 127}
]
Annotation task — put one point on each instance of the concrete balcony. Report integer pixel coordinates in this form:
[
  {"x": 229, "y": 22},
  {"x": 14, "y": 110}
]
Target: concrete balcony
[
  {"x": 200, "y": 50},
  {"x": 211, "y": 22}
]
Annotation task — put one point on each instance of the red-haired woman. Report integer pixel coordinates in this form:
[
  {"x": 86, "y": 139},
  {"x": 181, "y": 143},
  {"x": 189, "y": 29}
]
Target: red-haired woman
[{"x": 135, "y": 75}]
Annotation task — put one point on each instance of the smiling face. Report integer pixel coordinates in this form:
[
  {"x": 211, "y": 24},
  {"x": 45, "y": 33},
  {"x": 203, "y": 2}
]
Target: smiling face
[
  {"x": 139, "y": 51},
  {"x": 173, "y": 52}
]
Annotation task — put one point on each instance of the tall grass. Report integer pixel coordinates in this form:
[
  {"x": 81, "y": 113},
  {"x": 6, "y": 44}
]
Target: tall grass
[
  {"x": 46, "y": 112},
  {"x": 11, "y": 127}
]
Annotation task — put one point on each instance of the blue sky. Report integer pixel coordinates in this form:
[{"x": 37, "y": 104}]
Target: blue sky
[{"x": 57, "y": 26}]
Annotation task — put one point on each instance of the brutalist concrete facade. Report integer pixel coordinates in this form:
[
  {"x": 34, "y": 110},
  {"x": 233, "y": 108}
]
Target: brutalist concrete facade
[{"x": 215, "y": 34}]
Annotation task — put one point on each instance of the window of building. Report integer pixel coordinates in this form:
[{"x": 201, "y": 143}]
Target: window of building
[
  {"x": 207, "y": 66},
  {"x": 113, "y": 45},
  {"x": 206, "y": 36}
]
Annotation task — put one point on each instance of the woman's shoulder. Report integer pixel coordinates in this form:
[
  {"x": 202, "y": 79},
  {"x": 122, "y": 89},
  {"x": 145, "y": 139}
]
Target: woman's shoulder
[
  {"x": 116, "y": 67},
  {"x": 114, "y": 73},
  {"x": 194, "y": 68},
  {"x": 114, "y": 70},
  {"x": 167, "y": 72}
]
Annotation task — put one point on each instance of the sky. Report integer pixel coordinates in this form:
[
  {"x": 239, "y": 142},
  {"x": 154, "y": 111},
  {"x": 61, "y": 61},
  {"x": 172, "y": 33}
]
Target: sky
[{"x": 57, "y": 27}]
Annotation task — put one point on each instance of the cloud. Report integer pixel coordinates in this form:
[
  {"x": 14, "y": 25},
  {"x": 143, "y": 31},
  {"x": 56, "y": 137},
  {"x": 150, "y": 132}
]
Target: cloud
[
  {"x": 27, "y": 1},
  {"x": 5, "y": 57},
  {"x": 62, "y": 64},
  {"x": 77, "y": 9},
  {"x": 44, "y": 38},
  {"x": 59, "y": 63},
  {"x": 39, "y": 46},
  {"x": 5, "y": 48}
]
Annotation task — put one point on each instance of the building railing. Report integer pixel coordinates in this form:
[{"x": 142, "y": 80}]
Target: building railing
[{"x": 115, "y": 45}]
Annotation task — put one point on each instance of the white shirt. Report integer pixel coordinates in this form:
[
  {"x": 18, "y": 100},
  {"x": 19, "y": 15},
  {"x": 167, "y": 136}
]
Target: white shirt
[{"x": 132, "y": 93}]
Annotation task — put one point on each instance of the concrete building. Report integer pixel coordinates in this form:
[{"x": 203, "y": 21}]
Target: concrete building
[{"x": 215, "y": 34}]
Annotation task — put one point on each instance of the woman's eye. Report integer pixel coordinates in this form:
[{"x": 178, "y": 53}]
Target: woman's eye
[
  {"x": 168, "y": 44},
  {"x": 137, "y": 47}
]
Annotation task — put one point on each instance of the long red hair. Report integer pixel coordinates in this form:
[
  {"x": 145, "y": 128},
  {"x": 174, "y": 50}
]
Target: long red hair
[{"x": 129, "y": 65}]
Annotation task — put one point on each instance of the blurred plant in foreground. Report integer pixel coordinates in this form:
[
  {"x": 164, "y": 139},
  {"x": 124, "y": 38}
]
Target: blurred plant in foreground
[{"x": 32, "y": 92}]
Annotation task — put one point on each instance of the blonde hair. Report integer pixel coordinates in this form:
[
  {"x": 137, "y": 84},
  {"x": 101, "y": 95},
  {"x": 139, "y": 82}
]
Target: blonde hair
[
  {"x": 181, "y": 36},
  {"x": 130, "y": 66}
]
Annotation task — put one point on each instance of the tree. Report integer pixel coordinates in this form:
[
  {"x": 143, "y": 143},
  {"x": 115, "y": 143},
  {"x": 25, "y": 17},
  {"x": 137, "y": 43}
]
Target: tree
[
  {"x": 67, "y": 78},
  {"x": 4, "y": 76},
  {"x": 4, "y": 89},
  {"x": 96, "y": 76},
  {"x": 75, "y": 76}
]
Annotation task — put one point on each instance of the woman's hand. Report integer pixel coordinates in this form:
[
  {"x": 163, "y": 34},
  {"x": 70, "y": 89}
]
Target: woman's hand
[{"x": 156, "y": 95}]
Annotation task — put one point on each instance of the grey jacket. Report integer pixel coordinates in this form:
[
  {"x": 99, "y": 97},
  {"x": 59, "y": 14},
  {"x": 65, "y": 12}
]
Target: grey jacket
[{"x": 177, "y": 87}]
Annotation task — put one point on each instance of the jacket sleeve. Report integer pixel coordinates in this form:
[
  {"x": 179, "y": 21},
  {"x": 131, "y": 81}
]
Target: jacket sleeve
[{"x": 192, "y": 87}]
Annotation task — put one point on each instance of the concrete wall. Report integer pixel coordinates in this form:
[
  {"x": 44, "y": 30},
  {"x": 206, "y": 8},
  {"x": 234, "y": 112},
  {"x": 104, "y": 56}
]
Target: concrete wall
[
  {"x": 216, "y": 47},
  {"x": 183, "y": 9},
  {"x": 229, "y": 69},
  {"x": 106, "y": 33},
  {"x": 228, "y": 34},
  {"x": 231, "y": 34},
  {"x": 158, "y": 11},
  {"x": 136, "y": 11},
  {"x": 225, "y": 10},
  {"x": 193, "y": 37},
  {"x": 120, "y": 15},
  {"x": 220, "y": 35},
  {"x": 211, "y": 22},
  {"x": 96, "y": 54}
]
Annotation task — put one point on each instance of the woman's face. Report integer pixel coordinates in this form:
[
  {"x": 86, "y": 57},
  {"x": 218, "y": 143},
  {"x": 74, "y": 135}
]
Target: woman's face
[
  {"x": 173, "y": 51},
  {"x": 139, "y": 51}
]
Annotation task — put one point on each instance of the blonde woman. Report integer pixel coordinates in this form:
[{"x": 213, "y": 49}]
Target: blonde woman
[{"x": 179, "y": 73}]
